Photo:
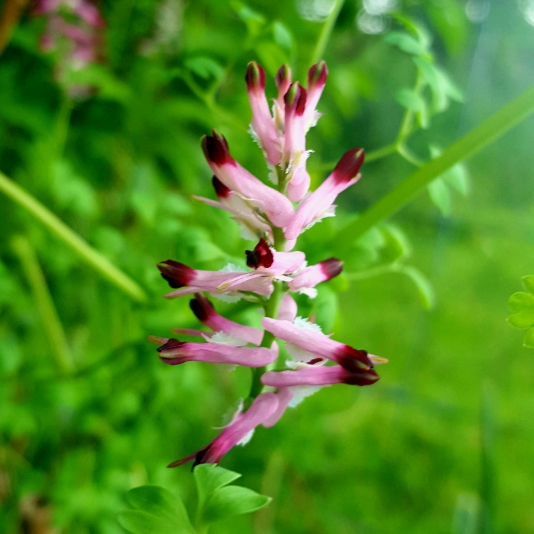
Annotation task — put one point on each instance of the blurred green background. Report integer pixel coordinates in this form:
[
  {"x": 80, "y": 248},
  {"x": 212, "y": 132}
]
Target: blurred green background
[{"x": 441, "y": 444}]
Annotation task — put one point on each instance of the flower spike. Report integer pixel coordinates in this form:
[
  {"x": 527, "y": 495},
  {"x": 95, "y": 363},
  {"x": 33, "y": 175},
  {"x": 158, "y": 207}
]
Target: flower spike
[{"x": 273, "y": 271}]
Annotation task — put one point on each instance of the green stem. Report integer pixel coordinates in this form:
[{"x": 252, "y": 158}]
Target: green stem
[
  {"x": 328, "y": 26},
  {"x": 408, "y": 155},
  {"x": 70, "y": 238},
  {"x": 491, "y": 129},
  {"x": 45, "y": 304}
]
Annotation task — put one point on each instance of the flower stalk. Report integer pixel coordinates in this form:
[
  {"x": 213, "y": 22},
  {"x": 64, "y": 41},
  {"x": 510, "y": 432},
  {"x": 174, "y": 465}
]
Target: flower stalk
[{"x": 274, "y": 218}]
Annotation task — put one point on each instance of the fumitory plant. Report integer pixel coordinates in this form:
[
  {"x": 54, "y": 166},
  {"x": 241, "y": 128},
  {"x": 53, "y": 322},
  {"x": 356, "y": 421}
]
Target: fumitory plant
[{"x": 275, "y": 216}]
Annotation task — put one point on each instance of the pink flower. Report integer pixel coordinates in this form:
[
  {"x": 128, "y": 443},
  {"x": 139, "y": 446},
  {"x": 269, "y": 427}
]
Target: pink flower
[
  {"x": 179, "y": 275},
  {"x": 268, "y": 265},
  {"x": 253, "y": 225},
  {"x": 206, "y": 314},
  {"x": 263, "y": 407},
  {"x": 317, "y": 205},
  {"x": 309, "y": 277},
  {"x": 262, "y": 126},
  {"x": 316, "y": 81},
  {"x": 175, "y": 352},
  {"x": 276, "y": 206},
  {"x": 313, "y": 375},
  {"x": 319, "y": 344}
]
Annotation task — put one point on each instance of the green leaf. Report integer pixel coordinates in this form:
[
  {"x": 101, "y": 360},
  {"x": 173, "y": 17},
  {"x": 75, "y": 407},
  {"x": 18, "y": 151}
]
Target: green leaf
[
  {"x": 233, "y": 500},
  {"x": 155, "y": 510},
  {"x": 521, "y": 301},
  {"x": 139, "y": 522},
  {"x": 415, "y": 29},
  {"x": 440, "y": 195},
  {"x": 211, "y": 477},
  {"x": 424, "y": 287},
  {"x": 253, "y": 20},
  {"x": 406, "y": 43},
  {"x": 528, "y": 340},
  {"x": 412, "y": 100},
  {"x": 522, "y": 319},
  {"x": 528, "y": 282},
  {"x": 205, "y": 67},
  {"x": 282, "y": 36}
]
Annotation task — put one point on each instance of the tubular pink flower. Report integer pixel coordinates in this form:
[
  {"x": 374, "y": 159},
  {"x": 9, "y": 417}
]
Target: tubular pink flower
[
  {"x": 175, "y": 352},
  {"x": 260, "y": 411},
  {"x": 295, "y": 154},
  {"x": 252, "y": 224},
  {"x": 179, "y": 275},
  {"x": 319, "y": 344},
  {"x": 276, "y": 206},
  {"x": 288, "y": 308},
  {"x": 316, "y": 81},
  {"x": 315, "y": 274},
  {"x": 314, "y": 207},
  {"x": 319, "y": 376},
  {"x": 284, "y": 398},
  {"x": 262, "y": 123},
  {"x": 206, "y": 314}
]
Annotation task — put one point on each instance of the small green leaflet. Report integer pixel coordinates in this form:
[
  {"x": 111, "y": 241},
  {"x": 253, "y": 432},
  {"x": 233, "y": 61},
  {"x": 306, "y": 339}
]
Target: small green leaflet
[{"x": 522, "y": 304}]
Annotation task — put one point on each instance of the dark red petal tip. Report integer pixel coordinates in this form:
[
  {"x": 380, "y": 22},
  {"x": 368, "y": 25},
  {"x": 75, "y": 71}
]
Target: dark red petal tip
[
  {"x": 215, "y": 149},
  {"x": 261, "y": 256},
  {"x": 170, "y": 345},
  {"x": 201, "y": 307},
  {"x": 331, "y": 267},
  {"x": 353, "y": 360},
  {"x": 255, "y": 77},
  {"x": 176, "y": 274},
  {"x": 283, "y": 76},
  {"x": 362, "y": 378},
  {"x": 220, "y": 189},
  {"x": 295, "y": 99},
  {"x": 317, "y": 74},
  {"x": 349, "y": 165}
]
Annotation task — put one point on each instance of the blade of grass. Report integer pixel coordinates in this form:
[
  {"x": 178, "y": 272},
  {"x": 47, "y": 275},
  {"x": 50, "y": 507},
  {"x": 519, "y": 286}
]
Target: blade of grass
[
  {"x": 71, "y": 239},
  {"x": 491, "y": 129},
  {"x": 45, "y": 304}
]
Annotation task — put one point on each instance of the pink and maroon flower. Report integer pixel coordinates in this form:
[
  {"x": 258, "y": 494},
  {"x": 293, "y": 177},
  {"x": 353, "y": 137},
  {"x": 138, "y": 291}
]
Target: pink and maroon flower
[
  {"x": 267, "y": 200},
  {"x": 317, "y": 205},
  {"x": 175, "y": 352},
  {"x": 261, "y": 410}
]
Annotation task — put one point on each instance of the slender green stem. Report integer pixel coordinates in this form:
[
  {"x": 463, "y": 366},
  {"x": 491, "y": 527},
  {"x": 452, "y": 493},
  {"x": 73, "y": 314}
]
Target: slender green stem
[
  {"x": 45, "y": 304},
  {"x": 471, "y": 143},
  {"x": 408, "y": 155},
  {"x": 70, "y": 238},
  {"x": 381, "y": 152},
  {"x": 326, "y": 31}
]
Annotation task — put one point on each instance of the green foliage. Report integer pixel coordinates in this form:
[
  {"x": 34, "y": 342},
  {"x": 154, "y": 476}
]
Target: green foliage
[
  {"x": 522, "y": 304},
  {"x": 218, "y": 500},
  {"x": 154, "y": 509}
]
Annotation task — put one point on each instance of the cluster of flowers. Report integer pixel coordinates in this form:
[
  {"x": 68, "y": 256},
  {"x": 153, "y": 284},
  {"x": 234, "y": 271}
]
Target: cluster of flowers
[
  {"x": 74, "y": 27},
  {"x": 268, "y": 214}
]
